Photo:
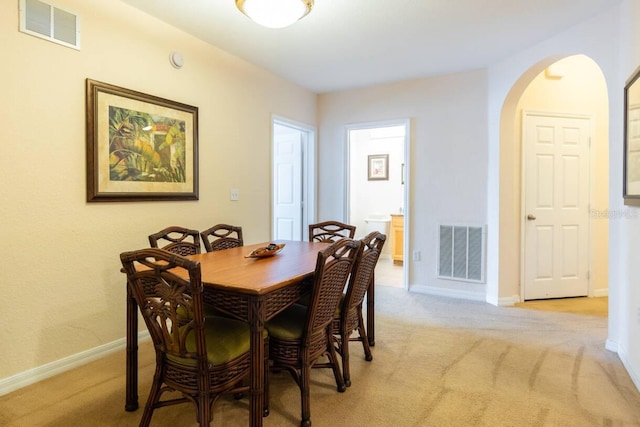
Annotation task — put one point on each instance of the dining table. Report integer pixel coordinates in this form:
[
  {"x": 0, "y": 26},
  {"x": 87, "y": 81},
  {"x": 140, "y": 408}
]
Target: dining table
[{"x": 251, "y": 289}]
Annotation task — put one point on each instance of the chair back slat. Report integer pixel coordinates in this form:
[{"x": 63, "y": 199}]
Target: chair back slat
[
  {"x": 330, "y": 231},
  {"x": 181, "y": 241},
  {"x": 222, "y": 236}
]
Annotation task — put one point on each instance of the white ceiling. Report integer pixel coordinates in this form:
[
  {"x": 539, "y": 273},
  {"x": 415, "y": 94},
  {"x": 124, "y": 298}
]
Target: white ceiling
[{"x": 344, "y": 44}]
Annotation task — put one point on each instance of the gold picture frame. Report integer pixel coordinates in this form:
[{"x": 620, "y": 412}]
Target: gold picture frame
[{"x": 139, "y": 147}]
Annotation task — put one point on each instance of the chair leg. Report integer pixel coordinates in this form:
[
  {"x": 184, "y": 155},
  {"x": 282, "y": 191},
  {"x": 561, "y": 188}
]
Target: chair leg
[
  {"x": 363, "y": 337},
  {"x": 335, "y": 366},
  {"x": 204, "y": 410},
  {"x": 344, "y": 352},
  {"x": 305, "y": 381},
  {"x": 154, "y": 396}
]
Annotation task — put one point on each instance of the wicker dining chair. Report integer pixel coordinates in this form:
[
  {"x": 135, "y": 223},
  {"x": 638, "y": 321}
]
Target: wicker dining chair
[
  {"x": 182, "y": 241},
  {"x": 349, "y": 317},
  {"x": 198, "y": 356},
  {"x": 301, "y": 335},
  {"x": 330, "y": 231},
  {"x": 222, "y": 236}
]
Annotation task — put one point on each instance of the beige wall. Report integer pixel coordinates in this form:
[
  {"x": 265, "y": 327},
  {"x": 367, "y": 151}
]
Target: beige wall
[{"x": 60, "y": 278}]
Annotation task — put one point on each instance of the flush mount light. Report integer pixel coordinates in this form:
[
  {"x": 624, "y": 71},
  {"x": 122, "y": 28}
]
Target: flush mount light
[{"x": 275, "y": 13}]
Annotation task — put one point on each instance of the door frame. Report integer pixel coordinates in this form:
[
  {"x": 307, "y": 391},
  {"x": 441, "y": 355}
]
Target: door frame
[
  {"x": 523, "y": 180},
  {"x": 407, "y": 182},
  {"x": 309, "y": 178}
]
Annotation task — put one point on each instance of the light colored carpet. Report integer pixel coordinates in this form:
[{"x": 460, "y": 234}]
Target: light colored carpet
[{"x": 437, "y": 362}]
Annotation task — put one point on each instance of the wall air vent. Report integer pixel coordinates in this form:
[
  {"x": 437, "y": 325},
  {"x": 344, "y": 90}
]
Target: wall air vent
[
  {"x": 50, "y": 23},
  {"x": 461, "y": 251}
]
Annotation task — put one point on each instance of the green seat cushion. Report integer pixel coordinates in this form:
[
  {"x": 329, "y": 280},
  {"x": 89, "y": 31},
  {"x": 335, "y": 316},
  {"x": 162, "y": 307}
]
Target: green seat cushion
[
  {"x": 289, "y": 324},
  {"x": 226, "y": 339}
]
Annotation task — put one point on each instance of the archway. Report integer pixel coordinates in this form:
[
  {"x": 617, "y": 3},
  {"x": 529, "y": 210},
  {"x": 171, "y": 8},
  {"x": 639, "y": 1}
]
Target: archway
[{"x": 572, "y": 85}]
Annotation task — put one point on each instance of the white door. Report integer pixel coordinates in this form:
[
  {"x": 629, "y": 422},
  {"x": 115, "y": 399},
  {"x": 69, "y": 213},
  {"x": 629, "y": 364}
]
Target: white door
[
  {"x": 287, "y": 183},
  {"x": 556, "y": 206}
]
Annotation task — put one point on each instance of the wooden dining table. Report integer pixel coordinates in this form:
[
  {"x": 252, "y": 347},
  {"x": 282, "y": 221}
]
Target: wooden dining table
[{"x": 253, "y": 290}]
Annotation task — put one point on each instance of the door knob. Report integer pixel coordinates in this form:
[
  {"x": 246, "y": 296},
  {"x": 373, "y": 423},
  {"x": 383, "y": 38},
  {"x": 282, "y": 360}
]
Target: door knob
[{"x": 531, "y": 217}]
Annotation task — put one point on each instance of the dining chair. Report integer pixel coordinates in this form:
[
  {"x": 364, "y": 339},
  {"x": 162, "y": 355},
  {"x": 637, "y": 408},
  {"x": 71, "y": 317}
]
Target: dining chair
[
  {"x": 330, "y": 231},
  {"x": 222, "y": 236},
  {"x": 182, "y": 241},
  {"x": 198, "y": 356},
  {"x": 301, "y": 335},
  {"x": 349, "y": 317}
]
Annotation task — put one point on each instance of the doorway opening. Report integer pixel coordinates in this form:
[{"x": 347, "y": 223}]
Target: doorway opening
[
  {"x": 377, "y": 192},
  {"x": 293, "y": 178},
  {"x": 575, "y": 86}
]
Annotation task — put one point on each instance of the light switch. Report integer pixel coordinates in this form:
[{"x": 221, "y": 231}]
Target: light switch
[{"x": 234, "y": 194}]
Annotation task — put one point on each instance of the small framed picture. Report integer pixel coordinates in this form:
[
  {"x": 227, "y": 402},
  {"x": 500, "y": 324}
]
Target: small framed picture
[{"x": 378, "y": 168}]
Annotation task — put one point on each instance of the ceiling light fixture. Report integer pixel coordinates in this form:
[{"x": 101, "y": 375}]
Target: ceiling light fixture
[{"x": 275, "y": 13}]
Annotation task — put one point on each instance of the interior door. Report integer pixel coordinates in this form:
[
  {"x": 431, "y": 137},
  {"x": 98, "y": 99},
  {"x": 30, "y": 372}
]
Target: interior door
[
  {"x": 556, "y": 206},
  {"x": 287, "y": 183}
]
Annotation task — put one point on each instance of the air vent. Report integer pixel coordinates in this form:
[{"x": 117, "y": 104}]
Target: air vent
[
  {"x": 50, "y": 23},
  {"x": 461, "y": 253}
]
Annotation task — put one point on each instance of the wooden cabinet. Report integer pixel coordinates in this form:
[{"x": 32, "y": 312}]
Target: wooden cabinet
[{"x": 397, "y": 238}]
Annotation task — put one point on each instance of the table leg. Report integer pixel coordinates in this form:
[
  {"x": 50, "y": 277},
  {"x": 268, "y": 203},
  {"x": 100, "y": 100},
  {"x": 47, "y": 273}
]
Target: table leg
[
  {"x": 131, "y": 403},
  {"x": 371, "y": 328},
  {"x": 256, "y": 322}
]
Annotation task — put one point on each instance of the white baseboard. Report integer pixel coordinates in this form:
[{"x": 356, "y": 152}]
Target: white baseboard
[
  {"x": 504, "y": 301},
  {"x": 624, "y": 357},
  {"x": 32, "y": 376},
  {"x": 603, "y": 292},
  {"x": 448, "y": 292},
  {"x": 515, "y": 299}
]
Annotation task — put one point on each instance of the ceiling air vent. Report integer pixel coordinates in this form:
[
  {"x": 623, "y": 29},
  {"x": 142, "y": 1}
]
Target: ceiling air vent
[{"x": 50, "y": 23}]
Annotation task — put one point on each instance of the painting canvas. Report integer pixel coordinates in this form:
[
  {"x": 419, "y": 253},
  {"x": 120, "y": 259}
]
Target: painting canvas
[{"x": 139, "y": 147}]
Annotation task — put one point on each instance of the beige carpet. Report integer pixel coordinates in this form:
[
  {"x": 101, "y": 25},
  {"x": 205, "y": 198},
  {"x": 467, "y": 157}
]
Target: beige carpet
[{"x": 437, "y": 362}]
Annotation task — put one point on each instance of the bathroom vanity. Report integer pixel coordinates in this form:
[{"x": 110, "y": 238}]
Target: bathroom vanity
[{"x": 397, "y": 238}]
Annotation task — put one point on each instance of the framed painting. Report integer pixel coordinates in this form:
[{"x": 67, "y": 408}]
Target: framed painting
[
  {"x": 139, "y": 147},
  {"x": 378, "y": 167},
  {"x": 631, "y": 169}
]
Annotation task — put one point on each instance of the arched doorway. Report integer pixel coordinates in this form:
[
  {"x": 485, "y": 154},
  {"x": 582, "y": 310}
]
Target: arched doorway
[{"x": 573, "y": 85}]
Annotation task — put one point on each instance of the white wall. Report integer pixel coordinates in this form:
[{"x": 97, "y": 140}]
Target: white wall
[
  {"x": 460, "y": 171},
  {"x": 611, "y": 40},
  {"x": 624, "y": 243},
  {"x": 448, "y": 168},
  {"x": 60, "y": 279},
  {"x": 508, "y": 81}
]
